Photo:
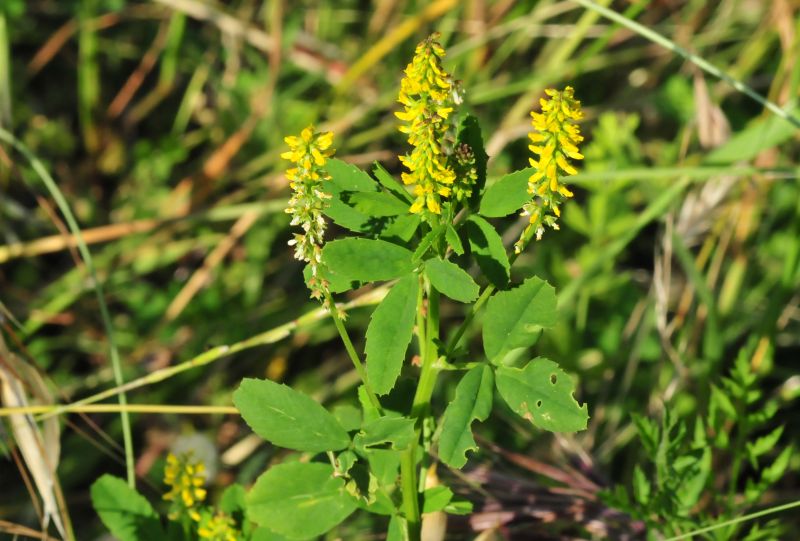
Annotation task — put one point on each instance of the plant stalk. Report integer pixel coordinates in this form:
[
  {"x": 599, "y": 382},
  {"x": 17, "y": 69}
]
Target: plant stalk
[
  {"x": 428, "y": 334},
  {"x": 351, "y": 351}
]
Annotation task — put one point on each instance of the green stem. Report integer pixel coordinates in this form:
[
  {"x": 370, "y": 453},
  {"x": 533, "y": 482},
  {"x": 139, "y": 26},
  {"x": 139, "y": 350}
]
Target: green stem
[
  {"x": 737, "y": 520},
  {"x": 427, "y": 377},
  {"x": 485, "y": 294},
  {"x": 428, "y": 334},
  {"x": 351, "y": 351},
  {"x": 408, "y": 481}
]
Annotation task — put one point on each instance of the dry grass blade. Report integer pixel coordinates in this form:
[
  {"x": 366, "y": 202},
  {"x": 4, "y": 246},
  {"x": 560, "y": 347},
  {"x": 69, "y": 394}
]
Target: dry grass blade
[
  {"x": 40, "y": 448},
  {"x": 18, "y": 529}
]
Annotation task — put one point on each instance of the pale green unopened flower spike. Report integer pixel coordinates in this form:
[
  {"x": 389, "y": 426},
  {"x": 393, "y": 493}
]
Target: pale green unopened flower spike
[{"x": 309, "y": 152}]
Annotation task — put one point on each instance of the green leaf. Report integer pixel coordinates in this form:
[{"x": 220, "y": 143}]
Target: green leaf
[
  {"x": 427, "y": 241},
  {"x": 513, "y": 317},
  {"x": 288, "y": 418},
  {"x": 397, "y": 529},
  {"x": 299, "y": 500},
  {"x": 507, "y": 195},
  {"x": 398, "y": 432},
  {"x": 473, "y": 401},
  {"x": 390, "y": 183},
  {"x": 349, "y": 178},
  {"x": 721, "y": 402},
  {"x": 378, "y": 204},
  {"x": 453, "y": 240},
  {"x": 542, "y": 393},
  {"x": 384, "y": 465},
  {"x": 401, "y": 228},
  {"x": 775, "y": 470},
  {"x": 436, "y": 498},
  {"x": 488, "y": 250},
  {"x": 389, "y": 333},
  {"x": 336, "y": 283},
  {"x": 641, "y": 486},
  {"x": 451, "y": 280},
  {"x": 458, "y": 507},
  {"x": 345, "y": 179},
  {"x": 126, "y": 513},
  {"x": 370, "y": 412},
  {"x": 348, "y": 416},
  {"x": 366, "y": 260},
  {"x": 264, "y": 534},
  {"x": 763, "y": 445}
]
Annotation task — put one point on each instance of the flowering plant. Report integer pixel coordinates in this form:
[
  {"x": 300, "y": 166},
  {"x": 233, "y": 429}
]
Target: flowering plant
[{"x": 418, "y": 236}]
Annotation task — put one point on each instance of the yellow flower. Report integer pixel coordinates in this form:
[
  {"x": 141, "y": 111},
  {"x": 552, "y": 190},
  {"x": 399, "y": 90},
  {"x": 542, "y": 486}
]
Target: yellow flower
[
  {"x": 219, "y": 527},
  {"x": 309, "y": 151},
  {"x": 555, "y": 139},
  {"x": 427, "y": 96},
  {"x": 185, "y": 476}
]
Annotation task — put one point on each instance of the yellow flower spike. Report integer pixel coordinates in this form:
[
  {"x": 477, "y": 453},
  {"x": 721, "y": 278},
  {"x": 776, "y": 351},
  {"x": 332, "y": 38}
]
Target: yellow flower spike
[
  {"x": 185, "y": 476},
  {"x": 310, "y": 151},
  {"x": 219, "y": 527},
  {"x": 555, "y": 138},
  {"x": 426, "y": 93}
]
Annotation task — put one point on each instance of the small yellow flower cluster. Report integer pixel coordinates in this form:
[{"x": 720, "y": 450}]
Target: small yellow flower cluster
[
  {"x": 219, "y": 527},
  {"x": 310, "y": 151},
  {"x": 555, "y": 138},
  {"x": 185, "y": 476},
  {"x": 428, "y": 97}
]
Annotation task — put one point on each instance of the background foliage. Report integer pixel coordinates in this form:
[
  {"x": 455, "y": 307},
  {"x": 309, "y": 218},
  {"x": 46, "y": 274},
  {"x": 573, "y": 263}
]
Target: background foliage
[{"x": 162, "y": 123}]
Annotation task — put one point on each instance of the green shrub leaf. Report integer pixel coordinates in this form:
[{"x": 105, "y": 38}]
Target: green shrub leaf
[
  {"x": 427, "y": 241},
  {"x": 378, "y": 204},
  {"x": 513, "y": 317},
  {"x": 453, "y": 240},
  {"x": 349, "y": 178},
  {"x": 299, "y": 500},
  {"x": 436, "y": 498},
  {"x": 288, "y": 418},
  {"x": 507, "y": 195},
  {"x": 488, "y": 250},
  {"x": 126, "y": 513},
  {"x": 366, "y": 260},
  {"x": 396, "y": 432},
  {"x": 542, "y": 393},
  {"x": 391, "y": 184},
  {"x": 389, "y": 333},
  {"x": 473, "y": 401},
  {"x": 345, "y": 180},
  {"x": 451, "y": 280}
]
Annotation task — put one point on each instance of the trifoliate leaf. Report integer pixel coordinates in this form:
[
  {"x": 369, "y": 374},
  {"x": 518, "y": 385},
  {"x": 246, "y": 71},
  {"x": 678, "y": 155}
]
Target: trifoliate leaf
[{"x": 543, "y": 394}]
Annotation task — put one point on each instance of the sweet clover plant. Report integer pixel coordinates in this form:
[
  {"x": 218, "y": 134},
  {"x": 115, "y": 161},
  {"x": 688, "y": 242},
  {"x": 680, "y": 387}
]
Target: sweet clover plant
[
  {"x": 419, "y": 236},
  {"x": 425, "y": 240}
]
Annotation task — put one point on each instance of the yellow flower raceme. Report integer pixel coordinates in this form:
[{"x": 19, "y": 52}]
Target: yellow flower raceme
[
  {"x": 309, "y": 152},
  {"x": 427, "y": 96},
  {"x": 555, "y": 139},
  {"x": 185, "y": 476},
  {"x": 219, "y": 527}
]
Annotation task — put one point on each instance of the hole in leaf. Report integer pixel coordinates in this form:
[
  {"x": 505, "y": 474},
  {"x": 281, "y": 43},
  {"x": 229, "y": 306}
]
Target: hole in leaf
[
  {"x": 553, "y": 379},
  {"x": 538, "y": 403}
]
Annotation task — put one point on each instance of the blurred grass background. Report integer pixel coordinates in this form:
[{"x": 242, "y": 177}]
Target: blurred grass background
[{"x": 162, "y": 123}]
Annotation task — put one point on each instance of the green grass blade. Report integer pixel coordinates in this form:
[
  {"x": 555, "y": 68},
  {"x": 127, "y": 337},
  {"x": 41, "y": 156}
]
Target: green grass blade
[{"x": 72, "y": 223}]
